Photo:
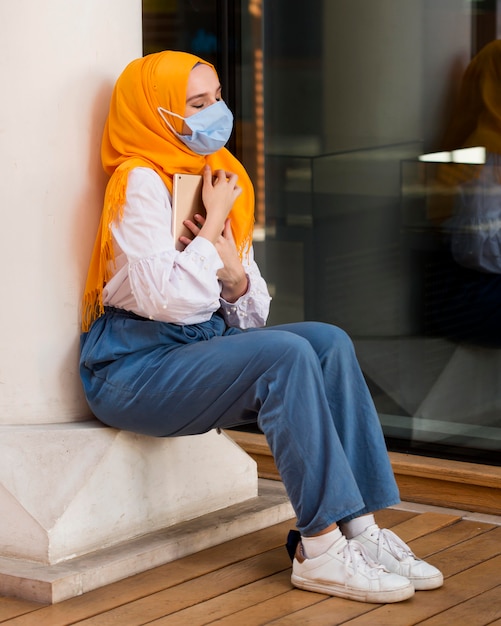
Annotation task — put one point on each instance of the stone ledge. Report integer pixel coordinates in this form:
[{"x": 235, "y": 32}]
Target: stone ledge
[
  {"x": 49, "y": 584},
  {"x": 73, "y": 489}
]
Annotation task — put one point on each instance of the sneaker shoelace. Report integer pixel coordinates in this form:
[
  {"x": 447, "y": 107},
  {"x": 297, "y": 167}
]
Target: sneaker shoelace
[
  {"x": 355, "y": 554},
  {"x": 395, "y": 546}
]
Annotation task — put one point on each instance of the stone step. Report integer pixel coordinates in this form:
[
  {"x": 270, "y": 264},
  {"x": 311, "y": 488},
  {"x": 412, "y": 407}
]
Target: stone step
[{"x": 53, "y": 583}]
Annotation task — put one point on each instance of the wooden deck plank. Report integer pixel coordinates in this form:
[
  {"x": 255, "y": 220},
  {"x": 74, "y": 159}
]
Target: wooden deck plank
[
  {"x": 423, "y": 524},
  {"x": 167, "y": 576},
  {"x": 462, "y": 556},
  {"x": 247, "y": 581},
  {"x": 278, "y": 607},
  {"x": 387, "y": 518},
  {"x": 265, "y": 612},
  {"x": 478, "y": 611},
  {"x": 425, "y": 604},
  {"x": 192, "y": 591},
  {"x": 157, "y": 579},
  {"x": 229, "y": 603},
  {"x": 455, "y": 591},
  {"x": 409, "y": 613},
  {"x": 329, "y": 612},
  {"x": 257, "y": 613},
  {"x": 447, "y": 537},
  {"x": 12, "y": 607},
  {"x": 326, "y": 610}
]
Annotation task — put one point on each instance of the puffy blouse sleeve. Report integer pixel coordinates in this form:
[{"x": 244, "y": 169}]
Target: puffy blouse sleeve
[{"x": 154, "y": 280}]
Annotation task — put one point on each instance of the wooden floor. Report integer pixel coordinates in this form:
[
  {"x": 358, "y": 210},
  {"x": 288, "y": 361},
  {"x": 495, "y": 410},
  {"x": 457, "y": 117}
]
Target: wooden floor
[{"x": 247, "y": 581}]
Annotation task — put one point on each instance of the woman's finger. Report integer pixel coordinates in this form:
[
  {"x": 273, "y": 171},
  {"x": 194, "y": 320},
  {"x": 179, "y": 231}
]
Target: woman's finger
[{"x": 192, "y": 226}]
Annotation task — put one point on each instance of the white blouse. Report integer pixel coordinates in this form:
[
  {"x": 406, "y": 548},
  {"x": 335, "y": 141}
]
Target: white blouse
[{"x": 153, "y": 279}]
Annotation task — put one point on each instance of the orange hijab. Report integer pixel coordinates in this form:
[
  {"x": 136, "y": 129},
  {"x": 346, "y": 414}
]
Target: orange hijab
[
  {"x": 476, "y": 121},
  {"x": 477, "y": 118},
  {"x": 136, "y": 136}
]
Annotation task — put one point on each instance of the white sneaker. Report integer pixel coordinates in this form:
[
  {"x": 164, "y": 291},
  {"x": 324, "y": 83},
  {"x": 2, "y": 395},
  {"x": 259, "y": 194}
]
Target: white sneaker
[
  {"x": 347, "y": 571},
  {"x": 386, "y": 548}
]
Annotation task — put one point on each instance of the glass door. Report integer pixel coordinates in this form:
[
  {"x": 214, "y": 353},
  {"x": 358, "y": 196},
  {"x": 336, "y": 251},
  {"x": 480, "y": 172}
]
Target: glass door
[{"x": 346, "y": 110}]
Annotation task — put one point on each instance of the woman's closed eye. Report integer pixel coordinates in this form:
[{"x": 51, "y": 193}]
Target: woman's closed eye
[{"x": 206, "y": 104}]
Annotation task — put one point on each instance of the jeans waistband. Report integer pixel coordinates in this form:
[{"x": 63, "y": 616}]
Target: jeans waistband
[{"x": 125, "y": 313}]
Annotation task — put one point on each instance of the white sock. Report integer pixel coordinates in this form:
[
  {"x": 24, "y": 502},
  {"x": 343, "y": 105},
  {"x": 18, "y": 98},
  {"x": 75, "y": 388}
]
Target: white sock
[
  {"x": 357, "y": 526},
  {"x": 315, "y": 546}
]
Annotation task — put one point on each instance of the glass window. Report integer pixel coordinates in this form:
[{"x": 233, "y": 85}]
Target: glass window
[{"x": 354, "y": 119}]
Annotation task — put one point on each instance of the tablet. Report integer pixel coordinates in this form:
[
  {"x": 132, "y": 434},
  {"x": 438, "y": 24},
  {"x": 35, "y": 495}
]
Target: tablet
[{"x": 186, "y": 201}]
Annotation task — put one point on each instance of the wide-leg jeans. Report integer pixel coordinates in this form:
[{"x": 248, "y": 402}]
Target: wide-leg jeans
[{"x": 301, "y": 382}]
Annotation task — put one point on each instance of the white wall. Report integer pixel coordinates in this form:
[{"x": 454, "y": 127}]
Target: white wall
[
  {"x": 56, "y": 75},
  {"x": 69, "y": 485}
]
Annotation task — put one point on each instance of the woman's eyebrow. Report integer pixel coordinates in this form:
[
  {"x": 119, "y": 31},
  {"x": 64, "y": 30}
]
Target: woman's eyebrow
[{"x": 202, "y": 95}]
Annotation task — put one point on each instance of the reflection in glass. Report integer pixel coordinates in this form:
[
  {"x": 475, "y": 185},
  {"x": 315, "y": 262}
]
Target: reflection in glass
[
  {"x": 341, "y": 111},
  {"x": 350, "y": 109}
]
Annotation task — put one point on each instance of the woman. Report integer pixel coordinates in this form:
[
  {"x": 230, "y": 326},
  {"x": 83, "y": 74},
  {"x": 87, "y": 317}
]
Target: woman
[
  {"x": 463, "y": 299},
  {"x": 174, "y": 342}
]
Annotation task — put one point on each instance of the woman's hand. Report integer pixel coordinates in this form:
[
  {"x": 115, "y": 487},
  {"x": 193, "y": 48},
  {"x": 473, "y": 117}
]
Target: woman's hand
[
  {"x": 219, "y": 192},
  {"x": 232, "y": 275}
]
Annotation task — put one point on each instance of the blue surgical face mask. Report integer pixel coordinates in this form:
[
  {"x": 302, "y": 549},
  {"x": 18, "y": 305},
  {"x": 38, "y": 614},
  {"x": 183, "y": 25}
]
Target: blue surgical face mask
[{"x": 211, "y": 127}]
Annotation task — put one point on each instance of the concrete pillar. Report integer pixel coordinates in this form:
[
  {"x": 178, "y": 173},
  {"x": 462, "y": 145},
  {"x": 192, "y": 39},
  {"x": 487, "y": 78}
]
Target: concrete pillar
[{"x": 68, "y": 485}]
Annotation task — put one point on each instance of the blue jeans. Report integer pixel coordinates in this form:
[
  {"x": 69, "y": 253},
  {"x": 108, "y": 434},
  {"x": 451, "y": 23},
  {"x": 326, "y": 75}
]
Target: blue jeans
[{"x": 300, "y": 382}]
